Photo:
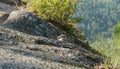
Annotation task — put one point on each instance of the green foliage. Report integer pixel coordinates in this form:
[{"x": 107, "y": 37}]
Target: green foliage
[
  {"x": 117, "y": 29},
  {"x": 24, "y": 0},
  {"x": 99, "y": 15},
  {"x": 58, "y": 12},
  {"x": 109, "y": 48}
]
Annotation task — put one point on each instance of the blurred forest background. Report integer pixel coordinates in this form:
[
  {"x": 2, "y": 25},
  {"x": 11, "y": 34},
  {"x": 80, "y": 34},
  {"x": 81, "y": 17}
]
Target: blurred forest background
[
  {"x": 101, "y": 26},
  {"x": 100, "y": 17}
]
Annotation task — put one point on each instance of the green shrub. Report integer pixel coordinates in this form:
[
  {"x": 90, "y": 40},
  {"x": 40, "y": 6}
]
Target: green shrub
[
  {"x": 24, "y": 0},
  {"x": 58, "y": 12},
  {"x": 117, "y": 28}
]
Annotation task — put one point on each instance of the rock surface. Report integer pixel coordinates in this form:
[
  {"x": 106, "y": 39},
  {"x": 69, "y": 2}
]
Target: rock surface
[
  {"x": 26, "y": 22},
  {"x": 28, "y": 42},
  {"x": 19, "y": 50},
  {"x": 5, "y": 10},
  {"x": 11, "y": 2}
]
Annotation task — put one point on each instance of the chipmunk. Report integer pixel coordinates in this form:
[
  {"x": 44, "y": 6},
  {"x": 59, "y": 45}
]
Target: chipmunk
[{"x": 61, "y": 38}]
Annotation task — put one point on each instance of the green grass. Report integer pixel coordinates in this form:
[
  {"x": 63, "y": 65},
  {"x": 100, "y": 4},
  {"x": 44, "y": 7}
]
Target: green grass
[{"x": 110, "y": 48}]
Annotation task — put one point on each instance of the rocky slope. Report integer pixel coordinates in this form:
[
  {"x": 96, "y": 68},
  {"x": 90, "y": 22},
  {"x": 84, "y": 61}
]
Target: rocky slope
[{"x": 28, "y": 42}]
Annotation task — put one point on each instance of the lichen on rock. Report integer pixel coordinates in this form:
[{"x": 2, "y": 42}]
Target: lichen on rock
[{"x": 28, "y": 23}]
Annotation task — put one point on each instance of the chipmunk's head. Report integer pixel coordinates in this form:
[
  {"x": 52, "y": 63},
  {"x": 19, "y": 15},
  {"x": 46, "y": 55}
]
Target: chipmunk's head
[{"x": 61, "y": 38}]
